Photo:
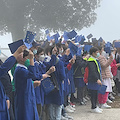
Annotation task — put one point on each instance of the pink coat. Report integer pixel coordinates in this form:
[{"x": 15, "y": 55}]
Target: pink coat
[{"x": 105, "y": 66}]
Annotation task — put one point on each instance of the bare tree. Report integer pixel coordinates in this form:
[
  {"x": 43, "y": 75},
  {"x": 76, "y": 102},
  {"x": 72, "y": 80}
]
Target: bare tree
[{"x": 17, "y": 16}]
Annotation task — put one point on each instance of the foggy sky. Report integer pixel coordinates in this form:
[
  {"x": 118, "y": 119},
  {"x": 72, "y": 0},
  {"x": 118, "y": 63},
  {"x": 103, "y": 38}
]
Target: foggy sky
[{"x": 107, "y": 24}]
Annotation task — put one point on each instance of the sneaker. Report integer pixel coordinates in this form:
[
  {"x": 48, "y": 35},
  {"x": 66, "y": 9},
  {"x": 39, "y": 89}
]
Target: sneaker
[
  {"x": 100, "y": 109},
  {"x": 72, "y": 104},
  {"x": 84, "y": 100},
  {"x": 82, "y": 103},
  {"x": 109, "y": 101},
  {"x": 112, "y": 96},
  {"x": 87, "y": 98},
  {"x": 69, "y": 110},
  {"x": 63, "y": 118},
  {"x": 113, "y": 93},
  {"x": 105, "y": 106},
  {"x": 72, "y": 108},
  {"x": 96, "y": 110},
  {"x": 67, "y": 116}
]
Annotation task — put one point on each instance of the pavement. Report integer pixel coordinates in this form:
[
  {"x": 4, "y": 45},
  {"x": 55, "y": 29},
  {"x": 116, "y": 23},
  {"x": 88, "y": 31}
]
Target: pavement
[{"x": 83, "y": 113}]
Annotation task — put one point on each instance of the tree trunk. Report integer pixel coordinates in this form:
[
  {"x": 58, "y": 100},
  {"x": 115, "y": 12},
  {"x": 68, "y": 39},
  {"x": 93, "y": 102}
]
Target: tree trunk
[{"x": 17, "y": 32}]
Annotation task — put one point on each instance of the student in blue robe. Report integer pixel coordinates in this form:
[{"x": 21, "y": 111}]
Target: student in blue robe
[
  {"x": 4, "y": 68},
  {"x": 55, "y": 99},
  {"x": 25, "y": 102},
  {"x": 41, "y": 69}
]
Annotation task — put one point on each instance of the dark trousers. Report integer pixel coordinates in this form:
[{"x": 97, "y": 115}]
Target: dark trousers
[
  {"x": 117, "y": 84},
  {"x": 94, "y": 98},
  {"x": 40, "y": 110},
  {"x": 80, "y": 92}
]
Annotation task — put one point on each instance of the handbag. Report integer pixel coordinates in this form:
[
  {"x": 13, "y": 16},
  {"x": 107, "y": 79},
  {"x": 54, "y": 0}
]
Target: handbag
[{"x": 102, "y": 89}]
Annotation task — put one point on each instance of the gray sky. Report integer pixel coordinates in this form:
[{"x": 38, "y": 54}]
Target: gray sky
[{"x": 106, "y": 26}]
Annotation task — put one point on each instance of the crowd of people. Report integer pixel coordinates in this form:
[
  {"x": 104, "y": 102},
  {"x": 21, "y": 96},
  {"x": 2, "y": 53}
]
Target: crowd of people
[{"x": 47, "y": 76}]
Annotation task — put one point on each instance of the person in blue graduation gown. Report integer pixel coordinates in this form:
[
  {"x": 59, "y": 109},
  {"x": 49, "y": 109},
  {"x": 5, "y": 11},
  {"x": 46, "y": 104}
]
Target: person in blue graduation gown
[
  {"x": 25, "y": 102},
  {"x": 41, "y": 69},
  {"x": 4, "y": 68},
  {"x": 55, "y": 99}
]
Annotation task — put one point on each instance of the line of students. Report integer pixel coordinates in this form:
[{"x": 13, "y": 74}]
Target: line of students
[{"x": 32, "y": 103}]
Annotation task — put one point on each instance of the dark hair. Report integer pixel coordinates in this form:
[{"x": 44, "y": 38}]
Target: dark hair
[
  {"x": 39, "y": 50},
  {"x": 52, "y": 50},
  {"x": 64, "y": 47},
  {"x": 48, "y": 49},
  {"x": 59, "y": 45},
  {"x": 93, "y": 50}
]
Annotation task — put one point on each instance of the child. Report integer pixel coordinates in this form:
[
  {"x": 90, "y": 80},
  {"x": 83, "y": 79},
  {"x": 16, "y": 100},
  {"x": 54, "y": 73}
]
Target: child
[{"x": 94, "y": 79}]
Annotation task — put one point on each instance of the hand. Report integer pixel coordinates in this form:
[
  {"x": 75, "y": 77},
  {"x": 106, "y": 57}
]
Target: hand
[
  {"x": 99, "y": 82},
  {"x": 67, "y": 52},
  {"x": 118, "y": 64},
  {"x": 51, "y": 70},
  {"x": 37, "y": 83},
  {"x": 72, "y": 61},
  {"x": 45, "y": 76},
  {"x": 74, "y": 57},
  {"x": 19, "y": 50},
  {"x": 87, "y": 56},
  {"x": 68, "y": 82},
  {"x": 31, "y": 55},
  {"x": 8, "y": 104}
]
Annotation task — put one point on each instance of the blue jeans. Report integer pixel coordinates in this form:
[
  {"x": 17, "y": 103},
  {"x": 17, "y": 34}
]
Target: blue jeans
[{"x": 54, "y": 112}]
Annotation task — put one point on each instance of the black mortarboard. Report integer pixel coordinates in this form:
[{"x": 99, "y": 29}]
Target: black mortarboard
[{"x": 15, "y": 45}]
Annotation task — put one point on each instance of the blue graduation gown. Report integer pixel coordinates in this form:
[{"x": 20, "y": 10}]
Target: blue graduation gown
[
  {"x": 5, "y": 67},
  {"x": 69, "y": 75},
  {"x": 4, "y": 114},
  {"x": 25, "y": 102},
  {"x": 41, "y": 69},
  {"x": 39, "y": 93},
  {"x": 57, "y": 96}
]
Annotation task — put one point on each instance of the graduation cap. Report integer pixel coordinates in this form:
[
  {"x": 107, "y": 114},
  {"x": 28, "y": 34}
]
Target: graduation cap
[
  {"x": 15, "y": 45},
  {"x": 94, "y": 40},
  {"x": 71, "y": 34},
  {"x": 102, "y": 89},
  {"x": 65, "y": 35},
  {"x": 79, "y": 52},
  {"x": 100, "y": 39},
  {"x": 73, "y": 48},
  {"x": 27, "y": 45},
  {"x": 89, "y": 36},
  {"x": 107, "y": 50},
  {"x": 48, "y": 38},
  {"x": 108, "y": 44},
  {"x": 81, "y": 39},
  {"x": 47, "y": 32},
  {"x": 56, "y": 36},
  {"x": 117, "y": 44},
  {"x": 48, "y": 85},
  {"x": 29, "y": 39},
  {"x": 87, "y": 48},
  {"x": 76, "y": 38}
]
